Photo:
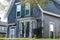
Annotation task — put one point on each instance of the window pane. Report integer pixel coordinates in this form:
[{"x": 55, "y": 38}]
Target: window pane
[
  {"x": 18, "y": 13},
  {"x": 27, "y": 6},
  {"x": 18, "y": 7},
  {"x": 51, "y": 27},
  {"x": 27, "y": 12},
  {"x": 3, "y": 28}
]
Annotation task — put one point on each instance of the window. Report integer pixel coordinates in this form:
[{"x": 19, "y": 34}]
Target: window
[
  {"x": 27, "y": 9},
  {"x": 18, "y": 7},
  {"x": 51, "y": 26},
  {"x": 18, "y": 12},
  {"x": 27, "y": 12},
  {"x": 2, "y": 28},
  {"x": 51, "y": 30}
]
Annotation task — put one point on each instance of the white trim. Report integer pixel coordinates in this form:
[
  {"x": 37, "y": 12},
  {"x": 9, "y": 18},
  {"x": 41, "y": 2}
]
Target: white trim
[
  {"x": 53, "y": 14},
  {"x": 20, "y": 28},
  {"x": 26, "y": 19},
  {"x": 17, "y": 3}
]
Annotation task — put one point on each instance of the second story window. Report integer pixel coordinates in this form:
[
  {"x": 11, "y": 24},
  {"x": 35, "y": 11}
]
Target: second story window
[
  {"x": 27, "y": 9},
  {"x": 18, "y": 9}
]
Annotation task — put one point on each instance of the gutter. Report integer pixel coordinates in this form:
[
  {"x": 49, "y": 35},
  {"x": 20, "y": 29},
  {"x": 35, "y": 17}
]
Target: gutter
[{"x": 49, "y": 13}]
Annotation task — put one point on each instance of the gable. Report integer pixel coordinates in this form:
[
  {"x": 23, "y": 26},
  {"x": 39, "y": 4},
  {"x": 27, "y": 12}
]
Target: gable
[{"x": 50, "y": 5}]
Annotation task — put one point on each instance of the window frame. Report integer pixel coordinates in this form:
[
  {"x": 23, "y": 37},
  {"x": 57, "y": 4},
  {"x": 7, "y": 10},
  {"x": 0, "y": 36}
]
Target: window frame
[
  {"x": 53, "y": 29},
  {"x": 27, "y": 9},
  {"x": 51, "y": 23},
  {"x": 10, "y": 29},
  {"x": 2, "y": 28},
  {"x": 19, "y": 3}
]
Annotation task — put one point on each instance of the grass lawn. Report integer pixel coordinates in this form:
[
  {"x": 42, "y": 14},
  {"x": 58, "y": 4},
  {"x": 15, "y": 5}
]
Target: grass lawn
[{"x": 26, "y": 39}]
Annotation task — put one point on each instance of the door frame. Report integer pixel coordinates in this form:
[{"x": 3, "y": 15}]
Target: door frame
[
  {"x": 53, "y": 29},
  {"x": 10, "y": 31}
]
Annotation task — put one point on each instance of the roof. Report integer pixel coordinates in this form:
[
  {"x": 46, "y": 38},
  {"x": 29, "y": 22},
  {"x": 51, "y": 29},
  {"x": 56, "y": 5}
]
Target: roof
[
  {"x": 3, "y": 23},
  {"x": 53, "y": 7}
]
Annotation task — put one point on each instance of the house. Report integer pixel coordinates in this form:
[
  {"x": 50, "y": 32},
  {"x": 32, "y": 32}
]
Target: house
[
  {"x": 3, "y": 30},
  {"x": 5, "y": 7},
  {"x": 26, "y": 19},
  {"x": 29, "y": 18},
  {"x": 51, "y": 19}
]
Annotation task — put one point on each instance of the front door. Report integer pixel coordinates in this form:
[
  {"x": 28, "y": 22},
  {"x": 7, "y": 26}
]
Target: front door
[{"x": 12, "y": 32}]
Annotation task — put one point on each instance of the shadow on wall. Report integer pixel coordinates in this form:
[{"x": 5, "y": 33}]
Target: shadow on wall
[{"x": 38, "y": 32}]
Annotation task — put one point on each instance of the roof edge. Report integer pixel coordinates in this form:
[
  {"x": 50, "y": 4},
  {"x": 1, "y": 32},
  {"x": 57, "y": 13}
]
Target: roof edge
[{"x": 50, "y": 13}]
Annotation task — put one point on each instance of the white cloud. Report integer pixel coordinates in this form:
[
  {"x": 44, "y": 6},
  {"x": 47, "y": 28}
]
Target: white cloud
[{"x": 2, "y": 12}]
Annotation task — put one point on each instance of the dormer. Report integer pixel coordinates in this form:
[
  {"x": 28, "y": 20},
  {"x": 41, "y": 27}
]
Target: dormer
[{"x": 26, "y": 9}]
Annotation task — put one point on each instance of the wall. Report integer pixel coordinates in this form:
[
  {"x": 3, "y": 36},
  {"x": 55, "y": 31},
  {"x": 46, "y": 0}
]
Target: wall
[{"x": 46, "y": 20}]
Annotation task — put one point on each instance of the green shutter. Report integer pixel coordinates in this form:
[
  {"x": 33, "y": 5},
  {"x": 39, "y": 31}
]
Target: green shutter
[
  {"x": 15, "y": 11},
  {"x": 31, "y": 11},
  {"x": 22, "y": 10}
]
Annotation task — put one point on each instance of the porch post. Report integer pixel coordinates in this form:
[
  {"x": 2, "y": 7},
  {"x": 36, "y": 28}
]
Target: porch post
[
  {"x": 20, "y": 28},
  {"x": 30, "y": 30},
  {"x": 25, "y": 29}
]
